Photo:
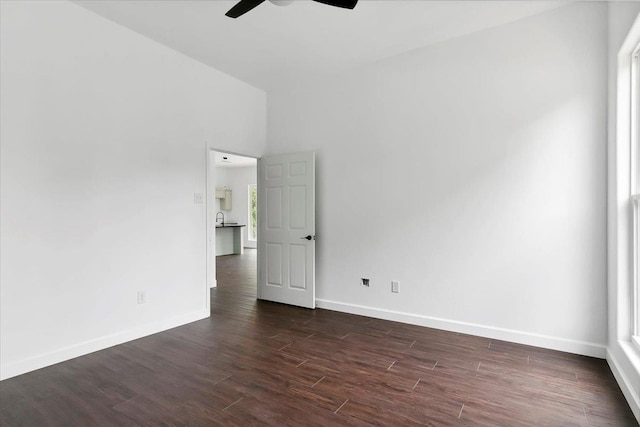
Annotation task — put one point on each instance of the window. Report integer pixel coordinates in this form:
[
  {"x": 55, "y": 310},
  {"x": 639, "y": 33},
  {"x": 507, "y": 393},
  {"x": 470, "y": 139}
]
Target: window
[
  {"x": 253, "y": 212},
  {"x": 635, "y": 184}
]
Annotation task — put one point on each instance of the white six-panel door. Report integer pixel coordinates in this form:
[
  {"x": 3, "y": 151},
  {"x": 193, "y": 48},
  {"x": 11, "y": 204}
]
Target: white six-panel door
[{"x": 286, "y": 229}]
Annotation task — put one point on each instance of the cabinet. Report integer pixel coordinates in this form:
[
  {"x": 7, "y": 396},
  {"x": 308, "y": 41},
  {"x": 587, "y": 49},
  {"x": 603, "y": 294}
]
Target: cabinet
[
  {"x": 229, "y": 239},
  {"x": 224, "y": 194}
]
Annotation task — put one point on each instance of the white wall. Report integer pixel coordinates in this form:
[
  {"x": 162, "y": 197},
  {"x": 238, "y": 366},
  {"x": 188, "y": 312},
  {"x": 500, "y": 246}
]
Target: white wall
[
  {"x": 472, "y": 171},
  {"x": 103, "y": 146},
  {"x": 623, "y": 358}
]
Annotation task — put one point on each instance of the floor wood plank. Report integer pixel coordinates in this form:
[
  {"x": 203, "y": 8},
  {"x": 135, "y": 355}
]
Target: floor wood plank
[{"x": 260, "y": 363}]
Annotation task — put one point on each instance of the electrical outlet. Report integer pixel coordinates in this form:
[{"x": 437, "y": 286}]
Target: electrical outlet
[
  {"x": 198, "y": 198},
  {"x": 142, "y": 297},
  {"x": 395, "y": 287},
  {"x": 364, "y": 282}
]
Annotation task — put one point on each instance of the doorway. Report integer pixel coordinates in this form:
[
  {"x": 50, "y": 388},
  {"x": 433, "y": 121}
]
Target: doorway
[
  {"x": 231, "y": 208},
  {"x": 276, "y": 194}
]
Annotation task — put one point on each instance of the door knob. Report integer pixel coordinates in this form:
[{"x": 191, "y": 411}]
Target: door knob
[{"x": 309, "y": 237}]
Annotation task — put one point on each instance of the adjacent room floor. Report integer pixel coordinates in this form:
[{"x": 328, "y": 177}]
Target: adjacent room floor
[{"x": 256, "y": 362}]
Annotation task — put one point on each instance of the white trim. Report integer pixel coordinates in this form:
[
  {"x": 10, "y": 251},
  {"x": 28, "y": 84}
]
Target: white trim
[
  {"x": 620, "y": 225},
  {"x": 625, "y": 364},
  {"x": 625, "y": 385},
  {"x": 207, "y": 272},
  {"x": 210, "y": 235},
  {"x": 635, "y": 230},
  {"x": 47, "y": 359},
  {"x": 634, "y": 146},
  {"x": 633, "y": 118},
  {"x": 527, "y": 338}
]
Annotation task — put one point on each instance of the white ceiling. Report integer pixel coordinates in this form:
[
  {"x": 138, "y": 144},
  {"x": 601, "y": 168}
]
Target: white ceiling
[
  {"x": 271, "y": 45},
  {"x": 225, "y": 160}
]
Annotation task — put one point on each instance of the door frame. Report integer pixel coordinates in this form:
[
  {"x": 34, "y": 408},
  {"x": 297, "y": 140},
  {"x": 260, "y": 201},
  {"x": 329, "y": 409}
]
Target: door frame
[{"x": 210, "y": 235}]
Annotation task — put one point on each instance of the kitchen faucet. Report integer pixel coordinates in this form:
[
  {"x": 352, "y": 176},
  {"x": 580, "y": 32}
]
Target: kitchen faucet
[{"x": 217, "y": 216}]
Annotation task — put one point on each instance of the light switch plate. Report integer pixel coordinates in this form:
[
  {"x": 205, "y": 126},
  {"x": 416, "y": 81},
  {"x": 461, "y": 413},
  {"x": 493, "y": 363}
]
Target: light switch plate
[
  {"x": 395, "y": 287},
  {"x": 198, "y": 198}
]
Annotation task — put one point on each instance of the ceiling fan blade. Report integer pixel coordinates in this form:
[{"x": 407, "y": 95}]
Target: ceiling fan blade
[
  {"x": 347, "y": 4},
  {"x": 242, "y": 7}
]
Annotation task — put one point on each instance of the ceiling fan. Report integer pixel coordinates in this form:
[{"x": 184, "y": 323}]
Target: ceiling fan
[{"x": 244, "y": 6}]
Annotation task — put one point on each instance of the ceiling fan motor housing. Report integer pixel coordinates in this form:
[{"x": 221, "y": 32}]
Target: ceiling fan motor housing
[
  {"x": 281, "y": 2},
  {"x": 244, "y": 6}
]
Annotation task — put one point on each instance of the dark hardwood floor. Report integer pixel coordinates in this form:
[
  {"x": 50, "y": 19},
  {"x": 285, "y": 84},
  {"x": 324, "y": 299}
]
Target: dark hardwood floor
[{"x": 255, "y": 362}]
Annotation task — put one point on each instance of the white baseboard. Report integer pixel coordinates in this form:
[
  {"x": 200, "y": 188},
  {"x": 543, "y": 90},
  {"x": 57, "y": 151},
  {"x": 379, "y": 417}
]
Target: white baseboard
[
  {"x": 625, "y": 385},
  {"x": 214, "y": 284},
  {"x": 536, "y": 340},
  {"x": 31, "y": 364}
]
